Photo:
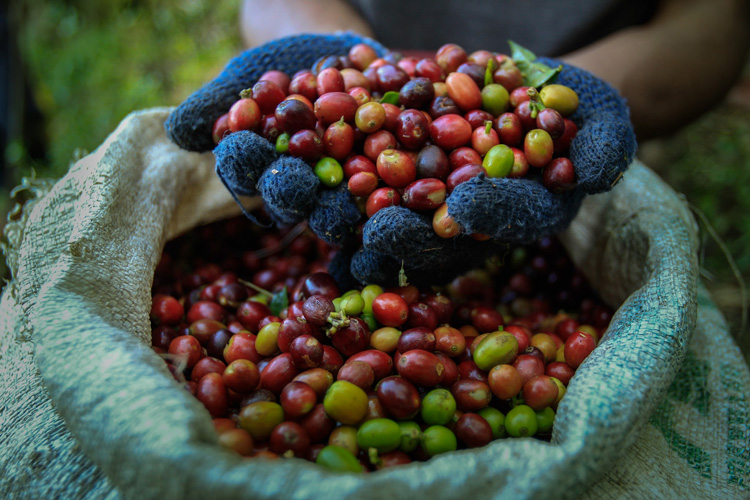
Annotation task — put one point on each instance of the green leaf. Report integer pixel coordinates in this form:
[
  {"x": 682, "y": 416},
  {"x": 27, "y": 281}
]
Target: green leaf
[
  {"x": 390, "y": 97},
  {"x": 279, "y": 302},
  {"x": 535, "y": 74}
]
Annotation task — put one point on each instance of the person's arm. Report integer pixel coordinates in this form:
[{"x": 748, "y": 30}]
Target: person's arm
[
  {"x": 262, "y": 21},
  {"x": 678, "y": 66}
]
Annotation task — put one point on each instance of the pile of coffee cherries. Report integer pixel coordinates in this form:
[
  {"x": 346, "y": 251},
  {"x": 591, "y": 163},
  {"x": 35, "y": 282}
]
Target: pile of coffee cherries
[
  {"x": 406, "y": 131},
  {"x": 290, "y": 365}
]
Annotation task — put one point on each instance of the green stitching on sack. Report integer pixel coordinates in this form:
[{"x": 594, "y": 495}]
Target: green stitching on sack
[
  {"x": 689, "y": 387},
  {"x": 738, "y": 418}
]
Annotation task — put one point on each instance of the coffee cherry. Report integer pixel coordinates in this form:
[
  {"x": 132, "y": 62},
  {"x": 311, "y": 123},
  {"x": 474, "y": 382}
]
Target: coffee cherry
[{"x": 244, "y": 115}]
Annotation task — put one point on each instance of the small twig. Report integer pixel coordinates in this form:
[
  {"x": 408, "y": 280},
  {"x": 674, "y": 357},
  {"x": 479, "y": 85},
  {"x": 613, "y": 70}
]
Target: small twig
[
  {"x": 255, "y": 287},
  {"x": 285, "y": 241},
  {"x": 617, "y": 179},
  {"x": 732, "y": 265}
]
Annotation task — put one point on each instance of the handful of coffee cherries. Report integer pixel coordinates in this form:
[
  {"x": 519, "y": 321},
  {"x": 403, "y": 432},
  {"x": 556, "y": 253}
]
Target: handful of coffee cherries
[{"x": 403, "y": 131}]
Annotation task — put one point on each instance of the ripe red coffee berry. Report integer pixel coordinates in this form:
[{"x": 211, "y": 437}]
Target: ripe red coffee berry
[
  {"x": 424, "y": 194},
  {"x": 421, "y": 368},
  {"x": 334, "y": 106},
  {"x": 396, "y": 168},
  {"x": 450, "y": 56},
  {"x": 419, "y": 337},
  {"x": 250, "y": 313},
  {"x": 338, "y": 140},
  {"x": 358, "y": 163},
  {"x": 241, "y": 346},
  {"x": 577, "y": 348},
  {"x": 297, "y": 398},
  {"x": 306, "y": 144},
  {"x": 540, "y": 392},
  {"x": 329, "y": 80},
  {"x": 528, "y": 366},
  {"x": 280, "y": 78},
  {"x": 509, "y": 129},
  {"x": 399, "y": 397},
  {"x": 520, "y": 165},
  {"x": 562, "y": 143},
  {"x": 463, "y": 174},
  {"x": 429, "y": 69},
  {"x": 291, "y": 437},
  {"x": 220, "y": 128},
  {"x": 279, "y": 371},
  {"x": 363, "y": 183},
  {"x": 473, "y": 430},
  {"x": 242, "y": 376},
  {"x": 268, "y": 95},
  {"x": 559, "y": 175},
  {"x": 205, "y": 365},
  {"x": 187, "y": 349},
  {"x": 463, "y": 156},
  {"x": 306, "y": 351},
  {"x": 412, "y": 129},
  {"x": 450, "y": 131},
  {"x": 362, "y": 55},
  {"x": 205, "y": 309},
  {"x": 464, "y": 91},
  {"x": 390, "y": 309},
  {"x": 213, "y": 394},
  {"x": 166, "y": 310},
  {"x": 551, "y": 121},
  {"x": 378, "y": 142},
  {"x": 560, "y": 370},
  {"x": 391, "y": 78},
  {"x": 293, "y": 115},
  {"x": 244, "y": 115},
  {"x": 380, "y": 362},
  {"x": 358, "y": 373},
  {"x": 471, "y": 395}
]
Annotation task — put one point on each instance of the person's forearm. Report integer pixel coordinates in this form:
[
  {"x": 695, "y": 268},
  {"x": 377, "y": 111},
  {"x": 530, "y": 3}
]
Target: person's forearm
[
  {"x": 262, "y": 20},
  {"x": 677, "y": 67}
]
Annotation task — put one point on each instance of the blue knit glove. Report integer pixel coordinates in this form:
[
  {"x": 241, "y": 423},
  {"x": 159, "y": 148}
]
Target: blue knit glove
[
  {"x": 509, "y": 211},
  {"x": 248, "y": 164}
]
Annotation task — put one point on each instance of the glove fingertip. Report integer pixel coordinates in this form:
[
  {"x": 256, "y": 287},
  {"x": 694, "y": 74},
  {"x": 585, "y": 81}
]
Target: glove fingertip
[
  {"x": 370, "y": 267},
  {"x": 511, "y": 210},
  {"x": 288, "y": 188},
  {"x": 334, "y": 215},
  {"x": 241, "y": 158},
  {"x": 400, "y": 232},
  {"x": 602, "y": 152}
]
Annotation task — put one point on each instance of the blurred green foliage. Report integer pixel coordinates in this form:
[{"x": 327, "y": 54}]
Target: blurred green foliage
[{"x": 93, "y": 62}]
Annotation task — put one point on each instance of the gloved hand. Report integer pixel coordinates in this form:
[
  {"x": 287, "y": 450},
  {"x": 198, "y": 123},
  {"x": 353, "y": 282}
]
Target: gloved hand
[
  {"x": 395, "y": 238},
  {"x": 510, "y": 211},
  {"x": 248, "y": 164}
]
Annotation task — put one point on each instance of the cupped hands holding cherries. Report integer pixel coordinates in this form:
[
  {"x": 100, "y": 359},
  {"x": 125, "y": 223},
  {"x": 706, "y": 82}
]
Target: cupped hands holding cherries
[{"x": 424, "y": 158}]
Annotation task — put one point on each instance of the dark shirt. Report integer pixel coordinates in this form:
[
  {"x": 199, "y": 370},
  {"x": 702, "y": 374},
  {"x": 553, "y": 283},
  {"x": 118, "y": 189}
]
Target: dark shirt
[{"x": 546, "y": 27}]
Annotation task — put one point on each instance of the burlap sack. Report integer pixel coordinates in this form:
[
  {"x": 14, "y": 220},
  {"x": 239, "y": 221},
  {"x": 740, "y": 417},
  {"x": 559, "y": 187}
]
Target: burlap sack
[{"x": 660, "y": 410}]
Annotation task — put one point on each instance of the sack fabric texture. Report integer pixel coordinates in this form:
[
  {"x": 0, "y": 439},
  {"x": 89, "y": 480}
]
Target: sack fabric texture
[
  {"x": 508, "y": 211},
  {"x": 661, "y": 409}
]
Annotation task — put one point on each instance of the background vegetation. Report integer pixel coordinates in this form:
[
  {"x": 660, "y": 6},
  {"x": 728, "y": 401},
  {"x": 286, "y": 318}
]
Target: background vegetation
[{"x": 91, "y": 63}]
